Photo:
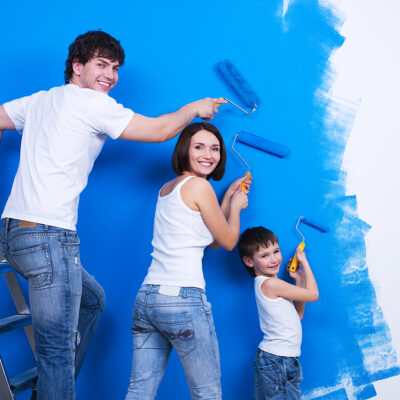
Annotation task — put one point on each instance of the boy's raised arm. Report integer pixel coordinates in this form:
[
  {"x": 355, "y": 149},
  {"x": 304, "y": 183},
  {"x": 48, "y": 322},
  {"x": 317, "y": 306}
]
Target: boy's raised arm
[
  {"x": 280, "y": 288},
  {"x": 298, "y": 276}
]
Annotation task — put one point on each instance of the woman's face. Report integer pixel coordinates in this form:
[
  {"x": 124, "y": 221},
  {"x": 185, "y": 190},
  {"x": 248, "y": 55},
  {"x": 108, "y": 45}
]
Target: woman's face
[{"x": 204, "y": 153}]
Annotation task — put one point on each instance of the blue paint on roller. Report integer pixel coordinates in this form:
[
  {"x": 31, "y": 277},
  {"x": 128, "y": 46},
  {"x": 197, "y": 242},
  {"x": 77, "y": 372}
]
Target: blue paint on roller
[
  {"x": 263, "y": 144},
  {"x": 237, "y": 83},
  {"x": 315, "y": 225}
]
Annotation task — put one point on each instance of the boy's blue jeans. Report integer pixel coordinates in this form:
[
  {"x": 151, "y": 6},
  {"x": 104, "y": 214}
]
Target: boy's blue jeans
[
  {"x": 184, "y": 322},
  {"x": 276, "y": 377},
  {"x": 65, "y": 301}
]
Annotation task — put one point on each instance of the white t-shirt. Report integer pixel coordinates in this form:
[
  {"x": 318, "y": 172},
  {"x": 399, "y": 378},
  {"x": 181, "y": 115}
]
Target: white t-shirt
[
  {"x": 179, "y": 238},
  {"x": 280, "y": 323},
  {"x": 63, "y": 131}
]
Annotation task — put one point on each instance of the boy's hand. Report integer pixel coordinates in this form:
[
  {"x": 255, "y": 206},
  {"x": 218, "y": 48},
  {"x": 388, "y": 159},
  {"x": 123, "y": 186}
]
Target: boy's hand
[
  {"x": 298, "y": 275},
  {"x": 301, "y": 257}
]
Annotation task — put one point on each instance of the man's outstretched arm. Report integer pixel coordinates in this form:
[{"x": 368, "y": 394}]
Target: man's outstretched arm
[
  {"x": 5, "y": 121},
  {"x": 167, "y": 126}
]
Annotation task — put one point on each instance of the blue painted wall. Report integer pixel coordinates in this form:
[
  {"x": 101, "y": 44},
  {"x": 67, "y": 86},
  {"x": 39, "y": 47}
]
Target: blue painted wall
[{"x": 171, "y": 50}]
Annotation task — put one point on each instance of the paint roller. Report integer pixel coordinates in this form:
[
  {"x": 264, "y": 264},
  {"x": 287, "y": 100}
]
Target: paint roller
[
  {"x": 295, "y": 263},
  {"x": 239, "y": 86},
  {"x": 259, "y": 143}
]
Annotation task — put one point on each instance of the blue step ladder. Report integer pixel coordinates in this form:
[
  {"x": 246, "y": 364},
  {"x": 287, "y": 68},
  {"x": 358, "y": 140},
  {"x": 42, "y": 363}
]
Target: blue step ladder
[{"x": 9, "y": 387}]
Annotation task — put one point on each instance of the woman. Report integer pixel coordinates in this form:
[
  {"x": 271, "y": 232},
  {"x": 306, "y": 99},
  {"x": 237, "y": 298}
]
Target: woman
[{"x": 171, "y": 309}]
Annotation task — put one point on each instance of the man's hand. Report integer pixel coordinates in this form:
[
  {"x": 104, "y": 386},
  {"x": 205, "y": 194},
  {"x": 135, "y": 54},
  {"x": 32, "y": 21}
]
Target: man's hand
[
  {"x": 207, "y": 108},
  {"x": 167, "y": 126}
]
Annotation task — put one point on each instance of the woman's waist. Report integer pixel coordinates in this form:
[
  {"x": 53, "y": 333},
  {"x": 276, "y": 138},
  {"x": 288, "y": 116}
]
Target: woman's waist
[{"x": 180, "y": 272}]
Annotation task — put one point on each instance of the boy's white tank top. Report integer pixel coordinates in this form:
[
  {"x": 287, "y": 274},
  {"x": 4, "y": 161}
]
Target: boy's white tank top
[
  {"x": 279, "y": 322},
  {"x": 179, "y": 238}
]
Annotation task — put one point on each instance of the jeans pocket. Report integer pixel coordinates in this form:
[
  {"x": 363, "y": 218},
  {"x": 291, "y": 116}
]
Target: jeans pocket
[
  {"x": 141, "y": 330},
  {"x": 72, "y": 239},
  {"x": 268, "y": 374},
  {"x": 34, "y": 264},
  {"x": 177, "y": 327},
  {"x": 293, "y": 371}
]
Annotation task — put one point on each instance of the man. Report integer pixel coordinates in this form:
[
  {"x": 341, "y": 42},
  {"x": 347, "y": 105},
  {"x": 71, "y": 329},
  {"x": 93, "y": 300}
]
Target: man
[{"x": 64, "y": 130}]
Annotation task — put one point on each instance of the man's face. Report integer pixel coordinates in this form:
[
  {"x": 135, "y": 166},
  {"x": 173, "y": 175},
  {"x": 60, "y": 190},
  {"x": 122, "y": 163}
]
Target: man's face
[{"x": 99, "y": 73}]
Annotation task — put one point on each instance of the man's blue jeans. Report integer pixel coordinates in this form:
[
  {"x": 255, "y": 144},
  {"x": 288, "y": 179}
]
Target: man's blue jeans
[
  {"x": 65, "y": 301},
  {"x": 276, "y": 377},
  {"x": 184, "y": 322}
]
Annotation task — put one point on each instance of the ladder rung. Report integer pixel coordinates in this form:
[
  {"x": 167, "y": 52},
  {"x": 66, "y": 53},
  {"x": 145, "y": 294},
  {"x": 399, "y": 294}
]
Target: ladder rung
[
  {"x": 5, "y": 267},
  {"x": 14, "y": 322},
  {"x": 23, "y": 381}
]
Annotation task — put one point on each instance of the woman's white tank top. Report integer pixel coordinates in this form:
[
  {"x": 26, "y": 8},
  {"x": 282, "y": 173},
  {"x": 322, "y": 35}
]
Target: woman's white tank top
[{"x": 179, "y": 238}]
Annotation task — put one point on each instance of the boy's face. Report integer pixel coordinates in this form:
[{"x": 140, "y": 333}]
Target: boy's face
[{"x": 266, "y": 260}]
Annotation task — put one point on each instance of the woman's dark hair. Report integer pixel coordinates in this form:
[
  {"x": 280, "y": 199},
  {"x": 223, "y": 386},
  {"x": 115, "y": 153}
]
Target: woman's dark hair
[
  {"x": 180, "y": 158},
  {"x": 93, "y": 44}
]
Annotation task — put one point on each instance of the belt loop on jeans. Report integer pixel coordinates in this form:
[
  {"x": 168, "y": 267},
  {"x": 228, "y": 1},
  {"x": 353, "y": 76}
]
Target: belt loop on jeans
[
  {"x": 46, "y": 227},
  {"x": 149, "y": 287},
  {"x": 6, "y": 222},
  {"x": 184, "y": 292}
]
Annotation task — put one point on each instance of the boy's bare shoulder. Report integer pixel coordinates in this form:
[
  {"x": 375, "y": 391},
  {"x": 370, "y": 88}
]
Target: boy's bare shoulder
[{"x": 270, "y": 286}]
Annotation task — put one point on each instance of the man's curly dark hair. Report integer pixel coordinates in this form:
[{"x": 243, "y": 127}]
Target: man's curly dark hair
[{"x": 93, "y": 44}]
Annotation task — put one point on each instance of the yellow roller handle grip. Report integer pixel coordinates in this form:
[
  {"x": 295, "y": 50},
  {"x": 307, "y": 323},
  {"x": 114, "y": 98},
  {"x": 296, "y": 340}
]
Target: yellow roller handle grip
[
  {"x": 295, "y": 262},
  {"x": 244, "y": 182},
  {"x": 217, "y": 105}
]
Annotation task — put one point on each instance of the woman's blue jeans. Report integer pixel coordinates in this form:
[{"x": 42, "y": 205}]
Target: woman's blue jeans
[
  {"x": 184, "y": 322},
  {"x": 65, "y": 301},
  {"x": 277, "y": 377}
]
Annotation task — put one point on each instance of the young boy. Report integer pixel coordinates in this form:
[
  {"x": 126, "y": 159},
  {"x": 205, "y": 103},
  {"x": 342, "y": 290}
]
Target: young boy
[{"x": 280, "y": 308}]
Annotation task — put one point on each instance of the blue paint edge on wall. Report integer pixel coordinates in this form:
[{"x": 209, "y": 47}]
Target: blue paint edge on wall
[{"x": 370, "y": 355}]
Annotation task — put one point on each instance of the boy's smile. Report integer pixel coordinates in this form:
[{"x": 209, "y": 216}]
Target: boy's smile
[{"x": 266, "y": 261}]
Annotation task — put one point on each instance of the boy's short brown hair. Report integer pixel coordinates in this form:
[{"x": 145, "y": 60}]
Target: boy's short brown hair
[{"x": 251, "y": 240}]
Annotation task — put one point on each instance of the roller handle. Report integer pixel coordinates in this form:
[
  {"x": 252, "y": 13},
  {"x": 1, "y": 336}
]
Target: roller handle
[
  {"x": 244, "y": 182},
  {"x": 217, "y": 105},
  {"x": 295, "y": 263}
]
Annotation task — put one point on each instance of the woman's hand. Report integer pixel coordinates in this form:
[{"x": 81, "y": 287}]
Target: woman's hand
[
  {"x": 236, "y": 186},
  {"x": 240, "y": 200}
]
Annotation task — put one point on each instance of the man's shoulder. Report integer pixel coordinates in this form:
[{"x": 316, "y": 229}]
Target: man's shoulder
[{"x": 87, "y": 93}]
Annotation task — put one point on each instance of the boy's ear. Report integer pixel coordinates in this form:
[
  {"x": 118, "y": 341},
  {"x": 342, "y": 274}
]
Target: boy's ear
[{"x": 248, "y": 262}]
